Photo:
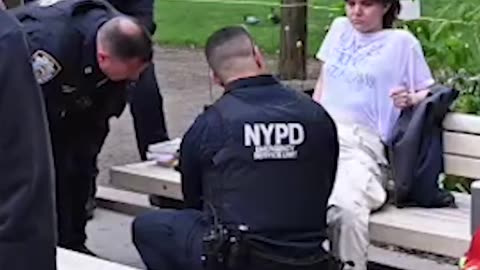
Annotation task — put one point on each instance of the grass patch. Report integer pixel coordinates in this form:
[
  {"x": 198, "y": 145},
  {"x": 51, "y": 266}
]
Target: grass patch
[{"x": 188, "y": 24}]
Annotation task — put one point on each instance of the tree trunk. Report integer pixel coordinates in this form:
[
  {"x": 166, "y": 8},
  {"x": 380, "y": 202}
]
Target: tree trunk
[{"x": 293, "y": 39}]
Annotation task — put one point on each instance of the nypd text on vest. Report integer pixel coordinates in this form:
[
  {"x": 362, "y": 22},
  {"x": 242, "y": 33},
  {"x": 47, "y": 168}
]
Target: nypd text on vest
[{"x": 274, "y": 140}]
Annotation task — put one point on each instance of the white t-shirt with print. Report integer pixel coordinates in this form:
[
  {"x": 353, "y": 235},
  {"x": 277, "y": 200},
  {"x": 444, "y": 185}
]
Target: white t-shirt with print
[{"x": 361, "y": 69}]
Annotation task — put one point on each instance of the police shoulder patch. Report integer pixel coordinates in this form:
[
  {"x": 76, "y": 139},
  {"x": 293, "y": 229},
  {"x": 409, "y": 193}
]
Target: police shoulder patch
[{"x": 45, "y": 66}]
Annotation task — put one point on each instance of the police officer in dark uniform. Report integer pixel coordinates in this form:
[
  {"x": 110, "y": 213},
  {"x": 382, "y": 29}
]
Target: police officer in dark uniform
[
  {"x": 84, "y": 55},
  {"x": 144, "y": 97},
  {"x": 27, "y": 212},
  {"x": 257, "y": 169}
]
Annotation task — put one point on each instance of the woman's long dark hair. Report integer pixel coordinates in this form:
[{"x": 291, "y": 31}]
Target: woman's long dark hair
[{"x": 392, "y": 13}]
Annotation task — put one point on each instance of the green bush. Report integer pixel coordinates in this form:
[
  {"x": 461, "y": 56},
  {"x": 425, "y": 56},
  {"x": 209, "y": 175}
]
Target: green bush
[{"x": 452, "y": 49}]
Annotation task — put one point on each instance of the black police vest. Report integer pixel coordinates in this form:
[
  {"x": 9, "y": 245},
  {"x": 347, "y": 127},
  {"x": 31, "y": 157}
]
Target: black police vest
[{"x": 268, "y": 175}]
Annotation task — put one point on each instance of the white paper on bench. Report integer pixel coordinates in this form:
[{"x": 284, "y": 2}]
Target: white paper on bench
[
  {"x": 71, "y": 260},
  {"x": 171, "y": 146},
  {"x": 164, "y": 153}
]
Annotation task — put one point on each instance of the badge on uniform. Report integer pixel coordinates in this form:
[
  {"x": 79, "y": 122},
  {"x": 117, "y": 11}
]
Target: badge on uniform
[{"x": 45, "y": 66}]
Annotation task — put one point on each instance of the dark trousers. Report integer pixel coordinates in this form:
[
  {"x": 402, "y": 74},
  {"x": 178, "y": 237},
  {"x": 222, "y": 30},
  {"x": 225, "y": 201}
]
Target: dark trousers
[
  {"x": 170, "y": 239},
  {"x": 75, "y": 160}
]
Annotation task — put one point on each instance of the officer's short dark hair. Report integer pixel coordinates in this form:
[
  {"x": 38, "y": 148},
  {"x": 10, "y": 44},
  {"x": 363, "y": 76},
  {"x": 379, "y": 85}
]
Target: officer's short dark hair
[
  {"x": 126, "y": 45},
  {"x": 228, "y": 42}
]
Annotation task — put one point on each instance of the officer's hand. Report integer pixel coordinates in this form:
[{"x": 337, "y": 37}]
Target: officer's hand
[{"x": 2, "y": 5}]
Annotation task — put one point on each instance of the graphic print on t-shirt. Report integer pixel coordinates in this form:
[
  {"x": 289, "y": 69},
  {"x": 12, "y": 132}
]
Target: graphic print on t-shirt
[{"x": 350, "y": 59}]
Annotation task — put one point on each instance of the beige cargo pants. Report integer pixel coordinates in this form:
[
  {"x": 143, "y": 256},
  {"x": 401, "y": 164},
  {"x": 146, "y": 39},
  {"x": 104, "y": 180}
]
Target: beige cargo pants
[{"x": 358, "y": 189}]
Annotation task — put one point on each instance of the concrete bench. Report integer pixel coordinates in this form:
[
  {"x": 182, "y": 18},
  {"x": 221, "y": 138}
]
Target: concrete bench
[
  {"x": 440, "y": 231},
  {"x": 71, "y": 260}
]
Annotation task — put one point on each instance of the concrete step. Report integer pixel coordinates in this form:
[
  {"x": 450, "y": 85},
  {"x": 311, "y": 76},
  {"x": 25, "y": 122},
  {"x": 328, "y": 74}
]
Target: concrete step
[{"x": 123, "y": 201}]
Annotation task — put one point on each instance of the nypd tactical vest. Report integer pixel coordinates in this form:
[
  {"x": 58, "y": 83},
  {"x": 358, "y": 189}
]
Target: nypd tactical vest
[{"x": 274, "y": 171}]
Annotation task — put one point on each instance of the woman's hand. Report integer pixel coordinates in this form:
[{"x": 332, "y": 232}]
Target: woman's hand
[{"x": 404, "y": 98}]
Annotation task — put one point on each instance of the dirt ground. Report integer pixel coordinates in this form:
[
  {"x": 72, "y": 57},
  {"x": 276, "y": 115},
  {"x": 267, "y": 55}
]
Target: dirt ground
[{"x": 183, "y": 79}]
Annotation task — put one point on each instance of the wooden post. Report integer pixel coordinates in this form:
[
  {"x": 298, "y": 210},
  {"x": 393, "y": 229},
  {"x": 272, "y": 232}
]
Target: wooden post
[
  {"x": 293, "y": 39},
  {"x": 12, "y": 3}
]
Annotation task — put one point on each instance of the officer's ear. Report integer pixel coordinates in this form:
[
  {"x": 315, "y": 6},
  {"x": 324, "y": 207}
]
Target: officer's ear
[
  {"x": 102, "y": 56},
  {"x": 215, "y": 78},
  {"x": 259, "y": 59}
]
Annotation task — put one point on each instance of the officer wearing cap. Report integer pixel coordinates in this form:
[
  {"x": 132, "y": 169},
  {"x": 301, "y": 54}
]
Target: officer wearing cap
[
  {"x": 84, "y": 54},
  {"x": 27, "y": 214},
  {"x": 257, "y": 166}
]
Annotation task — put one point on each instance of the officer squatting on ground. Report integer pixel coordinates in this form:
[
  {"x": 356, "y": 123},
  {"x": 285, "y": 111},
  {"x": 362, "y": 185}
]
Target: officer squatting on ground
[
  {"x": 27, "y": 215},
  {"x": 84, "y": 55},
  {"x": 256, "y": 146}
]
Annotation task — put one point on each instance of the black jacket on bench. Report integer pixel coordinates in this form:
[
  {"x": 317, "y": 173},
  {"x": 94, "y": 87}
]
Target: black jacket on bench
[
  {"x": 416, "y": 151},
  {"x": 27, "y": 227}
]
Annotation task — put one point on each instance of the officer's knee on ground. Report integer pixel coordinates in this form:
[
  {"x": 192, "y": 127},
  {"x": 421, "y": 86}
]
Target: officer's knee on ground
[{"x": 147, "y": 226}]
